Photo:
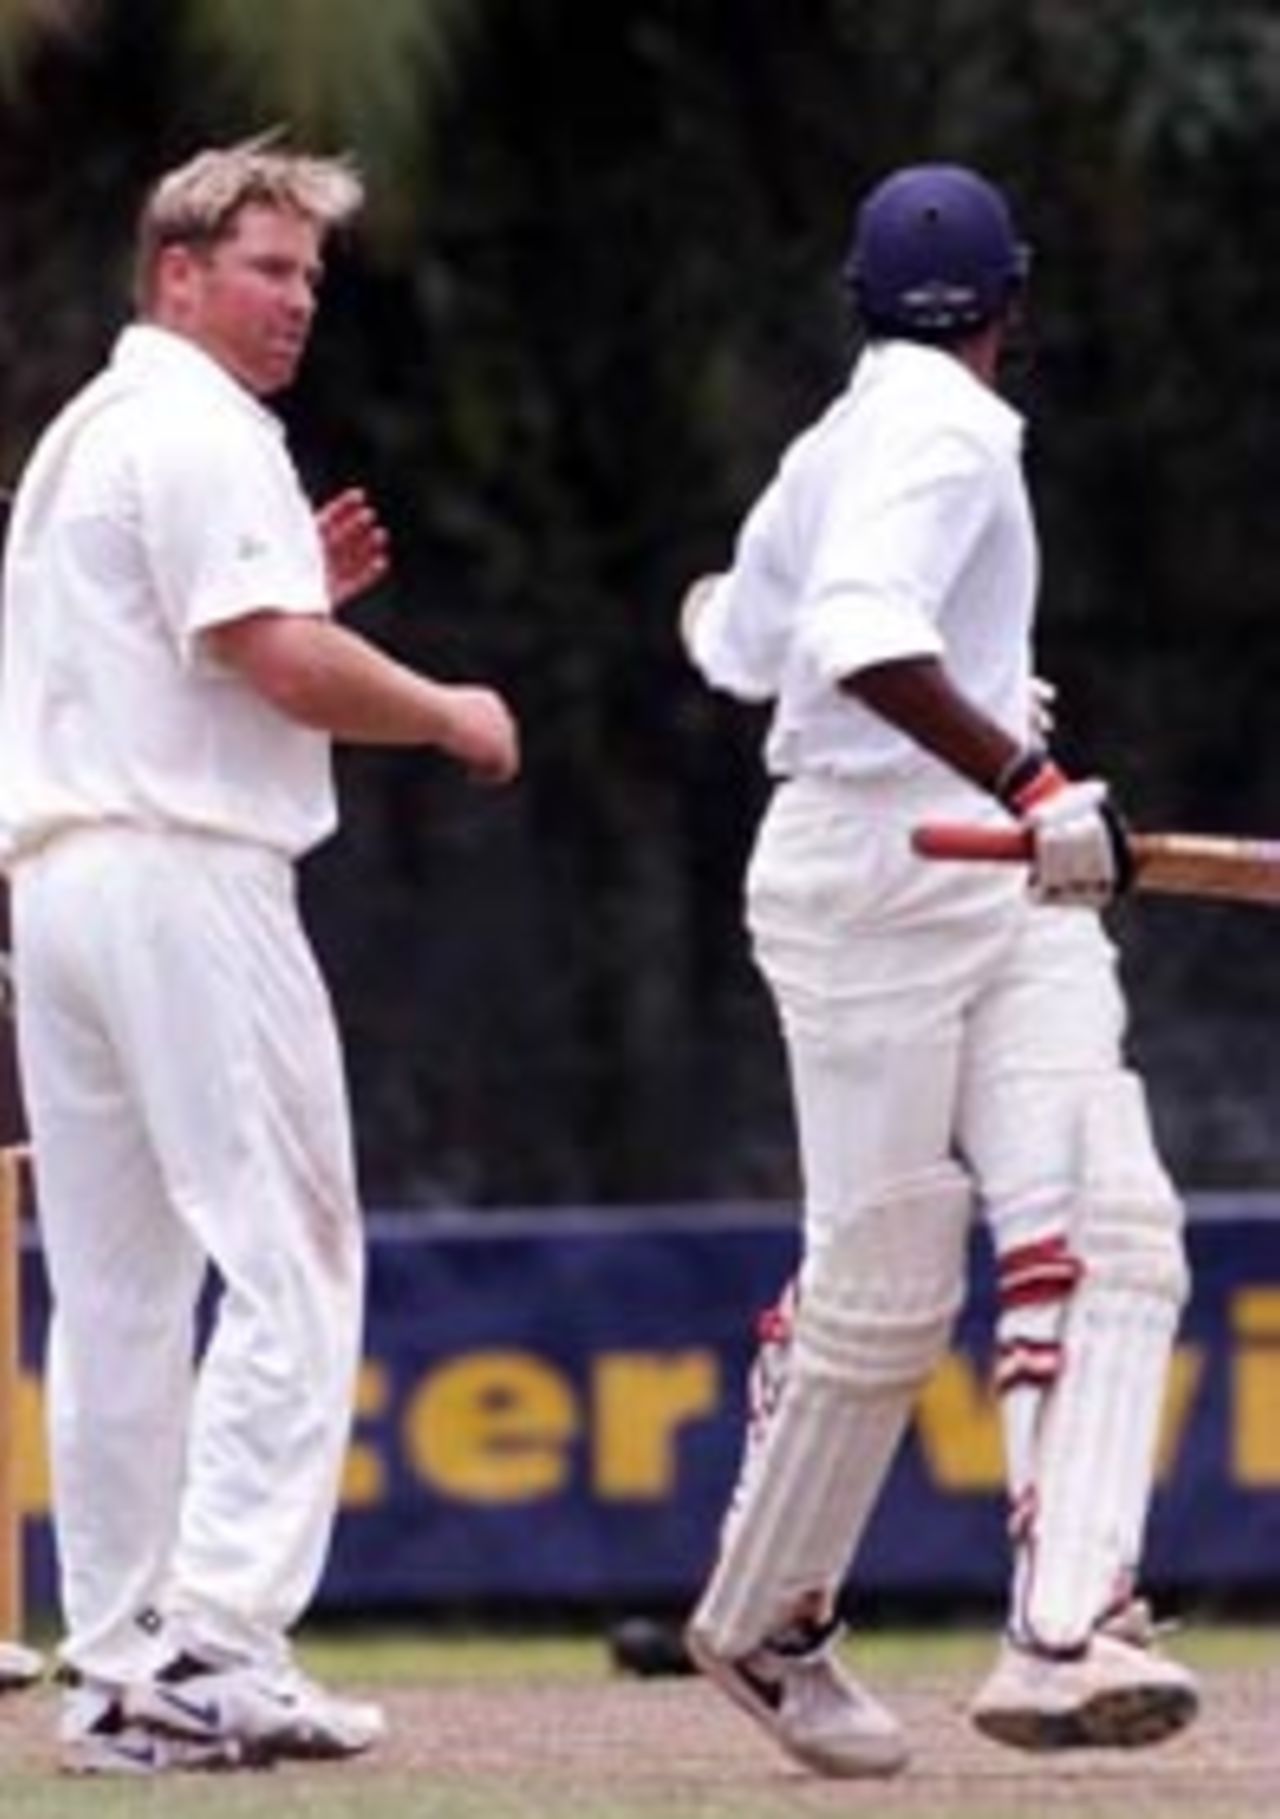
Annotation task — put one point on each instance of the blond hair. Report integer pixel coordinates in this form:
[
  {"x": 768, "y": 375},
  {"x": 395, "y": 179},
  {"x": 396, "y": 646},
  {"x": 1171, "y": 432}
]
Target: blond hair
[{"x": 198, "y": 203}]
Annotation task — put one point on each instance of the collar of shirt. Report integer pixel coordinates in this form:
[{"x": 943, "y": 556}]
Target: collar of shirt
[
  {"x": 147, "y": 353},
  {"x": 911, "y": 363}
]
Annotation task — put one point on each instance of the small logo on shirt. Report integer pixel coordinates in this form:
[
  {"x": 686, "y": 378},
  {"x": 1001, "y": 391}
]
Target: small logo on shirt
[{"x": 249, "y": 547}]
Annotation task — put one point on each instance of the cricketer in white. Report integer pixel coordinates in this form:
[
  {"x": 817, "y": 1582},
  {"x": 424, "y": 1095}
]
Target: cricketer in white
[
  {"x": 171, "y": 681},
  {"x": 952, "y": 1038}
]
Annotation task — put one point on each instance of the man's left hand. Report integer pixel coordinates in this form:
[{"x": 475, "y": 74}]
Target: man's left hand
[{"x": 357, "y": 549}]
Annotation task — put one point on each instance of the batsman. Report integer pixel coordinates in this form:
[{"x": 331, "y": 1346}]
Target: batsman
[{"x": 954, "y": 1039}]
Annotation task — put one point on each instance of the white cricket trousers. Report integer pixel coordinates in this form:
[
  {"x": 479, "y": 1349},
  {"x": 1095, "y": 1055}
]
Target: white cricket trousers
[
  {"x": 929, "y": 1009},
  {"x": 186, "y": 1099}
]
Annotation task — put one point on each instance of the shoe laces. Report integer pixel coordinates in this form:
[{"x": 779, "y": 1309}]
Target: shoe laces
[
  {"x": 801, "y": 1658},
  {"x": 803, "y": 1639},
  {"x": 291, "y": 1680},
  {"x": 1135, "y": 1623}
]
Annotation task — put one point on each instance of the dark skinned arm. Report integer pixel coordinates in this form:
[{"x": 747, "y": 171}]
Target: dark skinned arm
[
  {"x": 1081, "y": 856},
  {"x": 916, "y": 696}
]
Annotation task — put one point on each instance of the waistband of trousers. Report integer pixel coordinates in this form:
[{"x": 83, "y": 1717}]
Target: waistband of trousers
[
  {"x": 934, "y": 794},
  {"x": 58, "y": 837}
]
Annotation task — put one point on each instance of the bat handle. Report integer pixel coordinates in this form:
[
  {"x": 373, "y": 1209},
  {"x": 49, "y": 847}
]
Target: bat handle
[{"x": 961, "y": 840}]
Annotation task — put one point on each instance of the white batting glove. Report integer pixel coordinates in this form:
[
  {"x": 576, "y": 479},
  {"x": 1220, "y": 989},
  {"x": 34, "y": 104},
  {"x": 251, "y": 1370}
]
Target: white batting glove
[
  {"x": 1081, "y": 852},
  {"x": 1081, "y": 849}
]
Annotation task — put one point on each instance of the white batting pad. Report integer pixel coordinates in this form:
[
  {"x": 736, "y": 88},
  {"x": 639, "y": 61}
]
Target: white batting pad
[
  {"x": 1035, "y": 1282},
  {"x": 1095, "y": 1452},
  {"x": 770, "y": 1368},
  {"x": 876, "y": 1303}
]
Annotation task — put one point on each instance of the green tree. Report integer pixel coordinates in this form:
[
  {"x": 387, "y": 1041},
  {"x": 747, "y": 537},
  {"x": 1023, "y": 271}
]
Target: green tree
[{"x": 600, "y": 291}]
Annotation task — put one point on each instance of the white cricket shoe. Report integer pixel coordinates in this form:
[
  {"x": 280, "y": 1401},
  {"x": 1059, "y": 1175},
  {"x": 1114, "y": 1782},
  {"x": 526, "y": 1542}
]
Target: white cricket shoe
[
  {"x": 275, "y": 1714},
  {"x": 1115, "y": 1695},
  {"x": 96, "y": 1737},
  {"x": 795, "y": 1688},
  {"x": 333, "y": 1724},
  {"x": 19, "y": 1667}
]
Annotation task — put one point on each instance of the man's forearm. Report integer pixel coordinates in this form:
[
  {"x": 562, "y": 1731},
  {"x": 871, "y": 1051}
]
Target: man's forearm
[
  {"x": 917, "y": 697},
  {"x": 324, "y": 676}
]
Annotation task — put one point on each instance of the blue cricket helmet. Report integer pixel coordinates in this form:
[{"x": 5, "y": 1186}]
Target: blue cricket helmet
[{"x": 934, "y": 254}]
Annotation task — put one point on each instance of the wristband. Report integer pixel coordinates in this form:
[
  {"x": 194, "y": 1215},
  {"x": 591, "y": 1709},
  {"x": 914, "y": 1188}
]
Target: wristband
[{"x": 1028, "y": 778}]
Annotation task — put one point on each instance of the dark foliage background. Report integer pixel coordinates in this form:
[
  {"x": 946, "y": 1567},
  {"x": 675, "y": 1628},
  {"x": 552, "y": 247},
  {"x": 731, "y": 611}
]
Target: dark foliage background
[{"x": 596, "y": 293}]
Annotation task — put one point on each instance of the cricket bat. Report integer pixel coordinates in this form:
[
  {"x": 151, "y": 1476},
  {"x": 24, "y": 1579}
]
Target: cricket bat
[{"x": 1234, "y": 869}]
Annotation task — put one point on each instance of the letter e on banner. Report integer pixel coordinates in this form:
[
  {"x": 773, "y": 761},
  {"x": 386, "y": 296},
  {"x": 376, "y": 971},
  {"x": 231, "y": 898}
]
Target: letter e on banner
[{"x": 494, "y": 1427}]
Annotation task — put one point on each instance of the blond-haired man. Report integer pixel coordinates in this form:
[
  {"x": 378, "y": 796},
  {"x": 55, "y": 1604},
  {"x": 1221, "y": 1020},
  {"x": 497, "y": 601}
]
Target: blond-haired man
[{"x": 172, "y": 681}]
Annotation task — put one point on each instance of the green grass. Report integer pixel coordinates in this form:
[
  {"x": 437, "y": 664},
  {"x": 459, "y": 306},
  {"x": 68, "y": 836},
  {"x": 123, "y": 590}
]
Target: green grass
[
  {"x": 399, "y": 1657},
  {"x": 396, "y": 1657}
]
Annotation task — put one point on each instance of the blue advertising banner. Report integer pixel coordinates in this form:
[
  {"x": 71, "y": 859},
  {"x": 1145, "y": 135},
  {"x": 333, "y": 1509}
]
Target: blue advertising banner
[{"x": 550, "y": 1411}]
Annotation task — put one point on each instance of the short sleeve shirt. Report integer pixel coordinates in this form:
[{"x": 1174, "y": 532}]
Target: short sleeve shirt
[
  {"x": 160, "y": 503},
  {"x": 896, "y": 527}
]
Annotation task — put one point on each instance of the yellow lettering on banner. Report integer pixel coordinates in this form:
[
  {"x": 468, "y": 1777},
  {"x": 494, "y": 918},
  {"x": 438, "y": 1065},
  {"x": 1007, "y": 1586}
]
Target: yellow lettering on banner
[
  {"x": 1255, "y": 1424},
  {"x": 642, "y": 1400},
  {"x": 493, "y": 1427},
  {"x": 364, "y": 1478},
  {"x": 33, "y": 1488},
  {"x": 1186, "y": 1368},
  {"x": 958, "y": 1422}
]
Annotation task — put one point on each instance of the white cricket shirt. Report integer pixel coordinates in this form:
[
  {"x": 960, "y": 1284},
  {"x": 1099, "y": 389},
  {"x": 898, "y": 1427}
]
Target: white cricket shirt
[
  {"x": 160, "y": 502},
  {"x": 897, "y": 526}
]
